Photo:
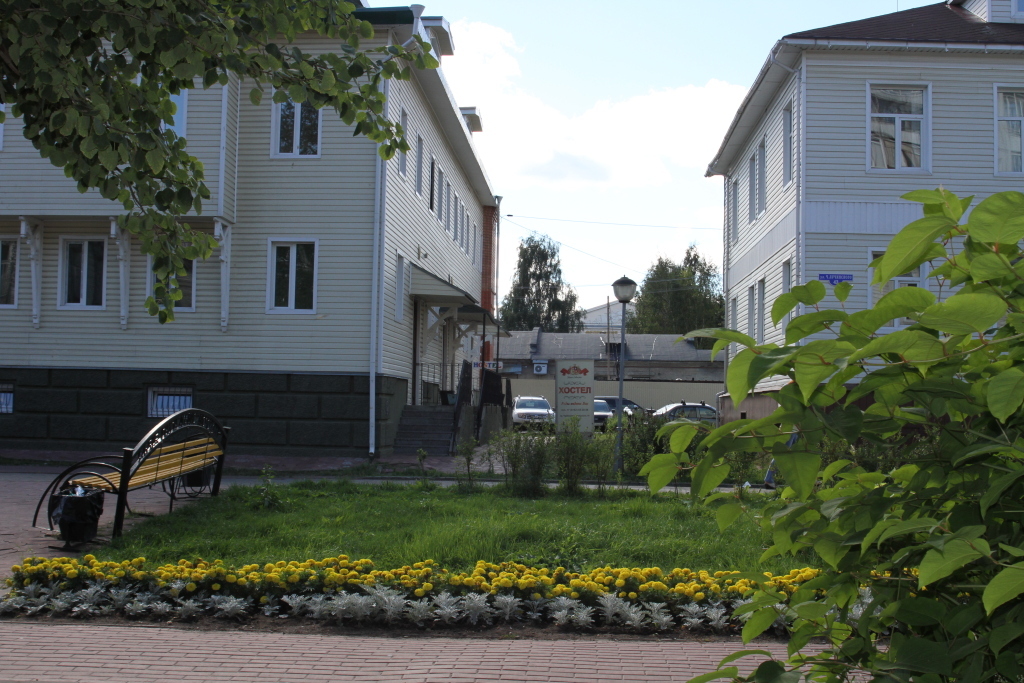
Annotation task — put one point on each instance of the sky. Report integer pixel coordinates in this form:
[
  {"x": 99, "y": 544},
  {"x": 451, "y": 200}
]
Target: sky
[{"x": 600, "y": 118}]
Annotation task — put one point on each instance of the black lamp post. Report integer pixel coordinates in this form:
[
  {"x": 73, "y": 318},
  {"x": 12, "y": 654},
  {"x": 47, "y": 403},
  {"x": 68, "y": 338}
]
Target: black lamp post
[{"x": 624, "y": 289}]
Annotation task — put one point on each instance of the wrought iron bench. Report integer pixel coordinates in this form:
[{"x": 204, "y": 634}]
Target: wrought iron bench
[{"x": 184, "y": 453}]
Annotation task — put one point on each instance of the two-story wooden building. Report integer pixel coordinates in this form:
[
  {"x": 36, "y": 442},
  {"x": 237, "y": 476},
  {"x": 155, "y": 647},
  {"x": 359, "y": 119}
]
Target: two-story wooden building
[
  {"x": 343, "y": 287},
  {"x": 843, "y": 120}
]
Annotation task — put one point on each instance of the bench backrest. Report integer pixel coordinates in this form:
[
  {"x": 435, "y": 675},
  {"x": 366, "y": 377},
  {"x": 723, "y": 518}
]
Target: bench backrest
[{"x": 179, "y": 443}]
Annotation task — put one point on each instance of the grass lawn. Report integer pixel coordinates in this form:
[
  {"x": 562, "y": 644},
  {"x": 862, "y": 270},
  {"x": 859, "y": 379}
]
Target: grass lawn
[{"x": 394, "y": 525}]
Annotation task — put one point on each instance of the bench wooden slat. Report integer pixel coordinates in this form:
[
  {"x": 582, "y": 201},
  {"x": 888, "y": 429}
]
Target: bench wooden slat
[
  {"x": 154, "y": 472},
  {"x": 183, "y": 445},
  {"x": 175, "y": 456}
]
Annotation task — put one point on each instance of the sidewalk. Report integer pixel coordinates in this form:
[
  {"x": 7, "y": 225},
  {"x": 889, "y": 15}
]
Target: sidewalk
[{"x": 92, "y": 652}]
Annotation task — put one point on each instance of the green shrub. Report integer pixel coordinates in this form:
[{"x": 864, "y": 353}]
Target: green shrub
[{"x": 523, "y": 458}]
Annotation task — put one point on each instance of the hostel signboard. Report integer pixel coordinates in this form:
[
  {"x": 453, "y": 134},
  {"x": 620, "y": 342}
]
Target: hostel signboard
[{"x": 574, "y": 389}]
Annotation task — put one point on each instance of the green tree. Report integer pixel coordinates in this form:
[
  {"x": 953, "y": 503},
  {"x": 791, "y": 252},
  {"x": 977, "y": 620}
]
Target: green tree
[
  {"x": 926, "y": 562},
  {"x": 679, "y": 297},
  {"x": 539, "y": 297},
  {"x": 92, "y": 82}
]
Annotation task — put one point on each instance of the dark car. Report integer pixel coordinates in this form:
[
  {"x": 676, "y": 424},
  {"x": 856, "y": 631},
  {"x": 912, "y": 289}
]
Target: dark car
[
  {"x": 602, "y": 414},
  {"x": 628, "y": 407},
  {"x": 699, "y": 412}
]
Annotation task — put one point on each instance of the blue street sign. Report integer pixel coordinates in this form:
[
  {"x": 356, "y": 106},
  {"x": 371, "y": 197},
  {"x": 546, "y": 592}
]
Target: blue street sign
[{"x": 835, "y": 278}]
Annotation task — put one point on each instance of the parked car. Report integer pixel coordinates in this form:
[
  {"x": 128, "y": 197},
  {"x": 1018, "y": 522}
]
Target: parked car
[
  {"x": 689, "y": 411},
  {"x": 628, "y": 407},
  {"x": 602, "y": 414},
  {"x": 530, "y": 411}
]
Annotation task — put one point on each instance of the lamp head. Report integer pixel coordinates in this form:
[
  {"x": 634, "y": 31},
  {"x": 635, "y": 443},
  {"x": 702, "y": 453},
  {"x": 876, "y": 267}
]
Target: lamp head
[{"x": 624, "y": 289}]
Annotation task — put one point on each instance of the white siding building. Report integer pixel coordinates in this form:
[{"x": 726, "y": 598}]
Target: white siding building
[
  {"x": 841, "y": 122},
  {"x": 343, "y": 288}
]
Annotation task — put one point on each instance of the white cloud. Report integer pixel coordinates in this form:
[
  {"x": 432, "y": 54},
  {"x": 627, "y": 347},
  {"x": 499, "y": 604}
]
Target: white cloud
[{"x": 638, "y": 159}]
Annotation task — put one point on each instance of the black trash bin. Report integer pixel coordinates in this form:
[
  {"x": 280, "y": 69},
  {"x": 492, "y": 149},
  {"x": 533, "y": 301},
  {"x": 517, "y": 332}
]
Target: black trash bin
[{"x": 77, "y": 512}]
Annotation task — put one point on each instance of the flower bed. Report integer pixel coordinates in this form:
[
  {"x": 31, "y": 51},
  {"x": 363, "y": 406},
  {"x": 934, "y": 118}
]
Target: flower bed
[{"x": 354, "y": 591}]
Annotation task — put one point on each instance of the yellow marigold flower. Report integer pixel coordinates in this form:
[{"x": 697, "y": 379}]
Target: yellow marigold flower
[
  {"x": 73, "y": 574},
  {"x": 190, "y": 587},
  {"x": 698, "y": 596},
  {"x": 242, "y": 581},
  {"x": 574, "y": 595},
  {"x": 428, "y": 586},
  {"x": 632, "y": 596},
  {"x": 419, "y": 592}
]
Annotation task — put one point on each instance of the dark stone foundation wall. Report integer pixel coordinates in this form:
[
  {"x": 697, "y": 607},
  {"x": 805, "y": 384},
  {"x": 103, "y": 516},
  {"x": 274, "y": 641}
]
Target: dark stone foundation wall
[{"x": 269, "y": 414}]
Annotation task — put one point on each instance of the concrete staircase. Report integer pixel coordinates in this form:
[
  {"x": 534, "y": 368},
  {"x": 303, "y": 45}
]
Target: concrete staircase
[{"x": 426, "y": 427}]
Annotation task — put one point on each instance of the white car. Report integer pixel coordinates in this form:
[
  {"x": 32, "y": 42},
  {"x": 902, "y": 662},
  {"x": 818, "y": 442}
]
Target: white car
[
  {"x": 531, "y": 410},
  {"x": 691, "y": 411}
]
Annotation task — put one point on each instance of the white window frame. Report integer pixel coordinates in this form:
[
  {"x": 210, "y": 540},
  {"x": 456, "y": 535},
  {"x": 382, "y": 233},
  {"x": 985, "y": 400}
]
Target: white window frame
[
  {"x": 403, "y": 158},
  {"x": 275, "y": 131},
  {"x": 6, "y": 398},
  {"x": 17, "y": 268},
  {"x": 918, "y": 280},
  {"x": 787, "y": 145},
  {"x": 751, "y": 312},
  {"x": 151, "y": 401},
  {"x": 752, "y": 188},
  {"x": 419, "y": 165},
  {"x": 734, "y": 219},
  {"x": 151, "y": 281},
  {"x": 926, "y": 128},
  {"x": 996, "y": 118},
  {"x": 272, "y": 244},
  {"x": 446, "y": 205},
  {"x": 62, "y": 273},
  {"x": 1016, "y": 10}
]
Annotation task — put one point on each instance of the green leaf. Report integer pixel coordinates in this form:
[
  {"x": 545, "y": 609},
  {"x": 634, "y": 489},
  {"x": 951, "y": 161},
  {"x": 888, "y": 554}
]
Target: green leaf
[
  {"x": 812, "y": 323},
  {"x": 741, "y": 654},
  {"x": 681, "y": 438},
  {"x": 155, "y": 159},
  {"x": 1005, "y": 393},
  {"x": 737, "y": 379},
  {"x": 1004, "y": 635},
  {"x": 782, "y": 306},
  {"x": 1005, "y": 586},
  {"x": 727, "y": 514},
  {"x": 990, "y": 266},
  {"x": 996, "y": 489},
  {"x": 831, "y": 551},
  {"x": 719, "y": 346},
  {"x": 256, "y": 96},
  {"x": 907, "y": 247},
  {"x": 938, "y": 564},
  {"x": 1016, "y": 552},
  {"x": 998, "y": 219},
  {"x": 722, "y": 333},
  {"x": 920, "y": 611},
  {"x": 842, "y": 291},
  {"x": 964, "y": 313},
  {"x": 758, "y": 623},
  {"x": 660, "y": 477},
  {"x": 811, "y": 293},
  {"x": 926, "y": 656},
  {"x": 800, "y": 471},
  {"x": 834, "y": 467},
  {"x": 729, "y": 672}
]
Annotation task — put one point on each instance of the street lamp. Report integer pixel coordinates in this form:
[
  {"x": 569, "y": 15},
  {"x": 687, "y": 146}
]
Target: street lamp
[{"x": 624, "y": 289}]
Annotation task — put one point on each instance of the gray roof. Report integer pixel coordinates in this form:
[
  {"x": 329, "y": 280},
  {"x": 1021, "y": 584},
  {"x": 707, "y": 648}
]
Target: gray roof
[{"x": 537, "y": 345}]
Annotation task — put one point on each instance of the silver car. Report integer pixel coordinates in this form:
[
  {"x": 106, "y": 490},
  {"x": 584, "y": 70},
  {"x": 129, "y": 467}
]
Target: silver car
[{"x": 530, "y": 411}]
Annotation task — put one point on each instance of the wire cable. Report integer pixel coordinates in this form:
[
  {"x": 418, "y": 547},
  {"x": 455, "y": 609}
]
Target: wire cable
[
  {"x": 569, "y": 246},
  {"x": 625, "y": 225}
]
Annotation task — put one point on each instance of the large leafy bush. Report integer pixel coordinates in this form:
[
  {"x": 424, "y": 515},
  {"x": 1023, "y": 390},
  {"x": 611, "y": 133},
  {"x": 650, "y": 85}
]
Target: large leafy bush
[{"x": 935, "y": 545}]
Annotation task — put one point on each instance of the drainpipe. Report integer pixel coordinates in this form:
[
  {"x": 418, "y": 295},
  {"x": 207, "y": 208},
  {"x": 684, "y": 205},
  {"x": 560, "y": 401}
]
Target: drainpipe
[{"x": 376, "y": 298}]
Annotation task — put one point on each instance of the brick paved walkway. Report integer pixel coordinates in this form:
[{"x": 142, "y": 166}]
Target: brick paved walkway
[{"x": 75, "y": 653}]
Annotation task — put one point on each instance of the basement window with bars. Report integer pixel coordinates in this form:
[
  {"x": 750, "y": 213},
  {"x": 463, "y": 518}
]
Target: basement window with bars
[
  {"x": 6, "y": 398},
  {"x": 164, "y": 401}
]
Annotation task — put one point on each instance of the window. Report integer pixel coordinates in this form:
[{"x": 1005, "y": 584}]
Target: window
[
  {"x": 897, "y": 128},
  {"x": 433, "y": 172},
  {"x": 399, "y": 288},
  {"x": 6, "y": 398},
  {"x": 3, "y": 108},
  {"x": 164, "y": 401},
  {"x": 293, "y": 273},
  {"x": 476, "y": 241},
  {"x": 787, "y": 145},
  {"x": 403, "y": 159},
  {"x": 787, "y": 282},
  {"x": 446, "y": 208},
  {"x": 761, "y": 184},
  {"x": 751, "y": 313},
  {"x": 186, "y": 285},
  {"x": 296, "y": 130},
  {"x": 440, "y": 194},
  {"x": 1017, "y": 9},
  {"x": 180, "y": 115},
  {"x": 760, "y": 312},
  {"x": 8, "y": 273},
  {"x": 419, "y": 166},
  {"x": 1010, "y": 115},
  {"x": 752, "y": 189},
  {"x": 911, "y": 278},
  {"x": 83, "y": 273},
  {"x": 734, "y": 220}
]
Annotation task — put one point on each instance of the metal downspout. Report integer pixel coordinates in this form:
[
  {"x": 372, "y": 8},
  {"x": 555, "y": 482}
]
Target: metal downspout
[{"x": 376, "y": 317}]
